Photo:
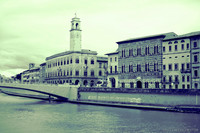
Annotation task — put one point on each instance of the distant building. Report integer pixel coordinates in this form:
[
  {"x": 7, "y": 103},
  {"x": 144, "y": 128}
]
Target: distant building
[
  {"x": 32, "y": 75},
  {"x": 140, "y": 61},
  {"x": 42, "y": 73},
  {"x": 112, "y": 69},
  {"x": 76, "y": 66}
]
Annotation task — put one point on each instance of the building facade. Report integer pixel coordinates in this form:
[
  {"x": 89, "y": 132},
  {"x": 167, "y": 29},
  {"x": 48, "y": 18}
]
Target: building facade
[
  {"x": 76, "y": 66},
  {"x": 195, "y": 59},
  {"x": 140, "y": 61},
  {"x": 176, "y": 63},
  {"x": 112, "y": 77}
]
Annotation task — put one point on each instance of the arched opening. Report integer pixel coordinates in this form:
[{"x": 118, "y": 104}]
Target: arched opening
[
  {"x": 76, "y": 25},
  {"x": 113, "y": 82},
  {"x": 92, "y": 83},
  {"x": 139, "y": 84},
  {"x": 85, "y": 82},
  {"x": 76, "y": 82}
]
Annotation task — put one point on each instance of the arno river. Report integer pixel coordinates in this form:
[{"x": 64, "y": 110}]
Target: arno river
[{"x": 22, "y": 115}]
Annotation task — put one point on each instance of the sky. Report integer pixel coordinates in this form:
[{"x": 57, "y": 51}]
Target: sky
[{"x": 31, "y": 30}]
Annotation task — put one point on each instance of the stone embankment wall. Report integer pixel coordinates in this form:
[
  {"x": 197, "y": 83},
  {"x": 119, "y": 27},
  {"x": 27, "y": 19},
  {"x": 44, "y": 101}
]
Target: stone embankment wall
[
  {"x": 169, "y": 97},
  {"x": 66, "y": 90}
]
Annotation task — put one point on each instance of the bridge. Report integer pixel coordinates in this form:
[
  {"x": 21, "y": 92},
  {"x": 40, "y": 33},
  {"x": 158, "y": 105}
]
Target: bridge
[{"x": 41, "y": 91}]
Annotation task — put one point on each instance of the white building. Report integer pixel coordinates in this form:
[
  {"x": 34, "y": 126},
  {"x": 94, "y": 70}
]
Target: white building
[{"x": 76, "y": 66}]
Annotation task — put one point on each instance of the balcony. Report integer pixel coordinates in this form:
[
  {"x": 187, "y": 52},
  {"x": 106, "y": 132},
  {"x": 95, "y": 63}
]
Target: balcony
[
  {"x": 185, "y": 71},
  {"x": 170, "y": 82}
]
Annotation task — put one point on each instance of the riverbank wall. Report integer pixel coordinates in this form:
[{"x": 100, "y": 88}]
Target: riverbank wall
[{"x": 167, "y": 97}]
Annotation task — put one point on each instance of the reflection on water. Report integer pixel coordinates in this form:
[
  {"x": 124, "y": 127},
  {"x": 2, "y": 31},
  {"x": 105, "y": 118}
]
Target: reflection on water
[{"x": 21, "y": 115}]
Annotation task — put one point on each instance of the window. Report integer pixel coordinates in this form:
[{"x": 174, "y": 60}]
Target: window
[
  {"x": 100, "y": 73},
  {"x": 176, "y": 78},
  {"x": 170, "y": 48},
  {"x": 123, "y": 69},
  {"x": 176, "y": 66},
  {"x": 110, "y": 59},
  {"x": 85, "y": 61},
  {"x": 147, "y": 67},
  {"x": 64, "y": 62},
  {"x": 170, "y": 67},
  {"x": 195, "y": 73},
  {"x": 155, "y": 49},
  {"x": 164, "y": 79},
  {"x": 146, "y": 85},
  {"x": 195, "y": 45},
  {"x": 131, "y": 85},
  {"x": 183, "y": 66},
  {"x": 176, "y": 86},
  {"x": 188, "y": 86},
  {"x": 188, "y": 78},
  {"x": 138, "y": 51},
  {"x": 183, "y": 78},
  {"x": 115, "y": 69},
  {"x": 115, "y": 59},
  {"x": 100, "y": 65},
  {"x": 92, "y": 61},
  {"x": 123, "y": 85},
  {"x": 188, "y": 46},
  {"x": 130, "y": 68},
  {"x": 176, "y": 48},
  {"x": 183, "y": 86},
  {"x": 188, "y": 65},
  {"x": 138, "y": 67},
  {"x": 71, "y": 72},
  {"x": 163, "y": 49},
  {"x": 110, "y": 69},
  {"x": 147, "y": 50},
  {"x": 182, "y": 46},
  {"x": 130, "y": 52},
  {"x": 92, "y": 72},
  {"x": 71, "y": 60},
  {"x": 85, "y": 72},
  {"x": 164, "y": 86},
  {"x": 195, "y": 58},
  {"x": 155, "y": 66},
  {"x": 77, "y": 72},
  {"x": 67, "y": 61},
  {"x": 169, "y": 42},
  {"x": 77, "y": 60},
  {"x": 170, "y": 78},
  {"x": 196, "y": 85},
  {"x": 156, "y": 84}
]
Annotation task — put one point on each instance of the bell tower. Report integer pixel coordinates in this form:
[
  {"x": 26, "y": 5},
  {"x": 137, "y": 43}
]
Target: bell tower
[{"x": 75, "y": 34}]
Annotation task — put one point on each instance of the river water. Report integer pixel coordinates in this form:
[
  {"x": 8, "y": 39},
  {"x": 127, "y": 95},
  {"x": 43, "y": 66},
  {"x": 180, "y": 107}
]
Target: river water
[{"x": 23, "y": 115}]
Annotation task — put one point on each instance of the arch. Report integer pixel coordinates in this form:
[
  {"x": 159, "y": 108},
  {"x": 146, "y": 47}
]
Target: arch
[
  {"x": 76, "y": 82},
  {"x": 92, "y": 83},
  {"x": 85, "y": 82},
  {"x": 76, "y": 25},
  {"x": 139, "y": 84}
]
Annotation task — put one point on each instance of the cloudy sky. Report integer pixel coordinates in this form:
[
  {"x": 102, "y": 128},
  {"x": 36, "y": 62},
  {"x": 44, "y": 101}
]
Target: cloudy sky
[{"x": 31, "y": 30}]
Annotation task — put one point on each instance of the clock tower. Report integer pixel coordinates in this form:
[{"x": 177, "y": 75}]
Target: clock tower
[{"x": 75, "y": 34}]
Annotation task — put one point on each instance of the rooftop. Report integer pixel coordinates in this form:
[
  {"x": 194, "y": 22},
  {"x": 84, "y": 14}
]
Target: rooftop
[
  {"x": 191, "y": 34},
  {"x": 83, "y": 51},
  {"x": 164, "y": 35}
]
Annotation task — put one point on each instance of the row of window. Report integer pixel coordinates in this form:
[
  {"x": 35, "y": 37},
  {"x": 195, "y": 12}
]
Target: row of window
[
  {"x": 139, "y": 67},
  {"x": 184, "y": 78},
  {"x": 69, "y": 61},
  {"x": 115, "y": 59},
  {"x": 176, "y": 47},
  {"x": 176, "y": 86},
  {"x": 184, "y": 66},
  {"x": 140, "y": 51},
  {"x": 70, "y": 73},
  {"x": 182, "y": 41},
  {"x": 146, "y": 85},
  {"x": 177, "y": 56}
]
